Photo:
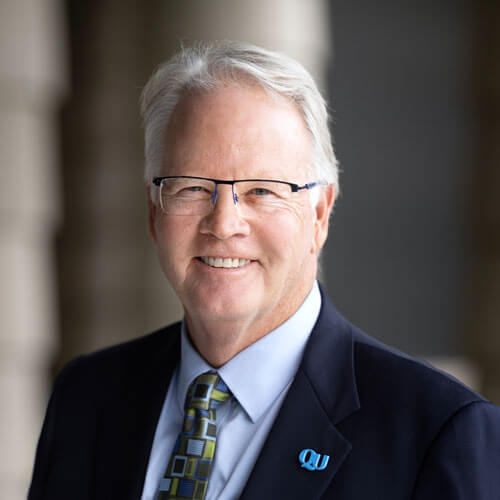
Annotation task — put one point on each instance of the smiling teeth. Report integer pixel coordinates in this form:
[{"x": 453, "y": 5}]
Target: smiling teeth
[{"x": 228, "y": 263}]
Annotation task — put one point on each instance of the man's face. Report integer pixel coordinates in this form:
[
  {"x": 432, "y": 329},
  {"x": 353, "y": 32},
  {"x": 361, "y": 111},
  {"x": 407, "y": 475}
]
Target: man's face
[{"x": 240, "y": 132}]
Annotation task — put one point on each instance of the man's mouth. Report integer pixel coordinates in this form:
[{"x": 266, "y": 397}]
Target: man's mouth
[{"x": 227, "y": 262}]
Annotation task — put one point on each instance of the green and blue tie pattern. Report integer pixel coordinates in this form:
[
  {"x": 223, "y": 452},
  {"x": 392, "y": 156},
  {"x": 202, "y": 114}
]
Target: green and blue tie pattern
[{"x": 189, "y": 466}]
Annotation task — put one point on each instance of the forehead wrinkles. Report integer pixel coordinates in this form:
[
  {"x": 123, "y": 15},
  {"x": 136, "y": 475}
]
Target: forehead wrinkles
[
  {"x": 225, "y": 152},
  {"x": 225, "y": 160}
]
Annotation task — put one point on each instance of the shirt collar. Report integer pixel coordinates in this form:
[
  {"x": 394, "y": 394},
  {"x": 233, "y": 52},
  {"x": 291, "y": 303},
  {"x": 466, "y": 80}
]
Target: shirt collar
[{"x": 257, "y": 375}]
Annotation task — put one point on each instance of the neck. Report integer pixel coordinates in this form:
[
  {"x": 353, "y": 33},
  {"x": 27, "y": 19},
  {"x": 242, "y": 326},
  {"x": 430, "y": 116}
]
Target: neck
[{"x": 219, "y": 340}]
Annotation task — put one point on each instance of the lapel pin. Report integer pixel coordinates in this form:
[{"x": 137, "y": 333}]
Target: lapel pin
[{"x": 310, "y": 460}]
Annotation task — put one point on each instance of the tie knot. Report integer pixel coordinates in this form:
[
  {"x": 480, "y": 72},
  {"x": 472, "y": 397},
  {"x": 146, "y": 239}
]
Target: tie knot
[{"x": 207, "y": 392}]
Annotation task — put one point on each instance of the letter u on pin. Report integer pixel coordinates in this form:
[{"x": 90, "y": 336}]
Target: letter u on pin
[{"x": 310, "y": 460}]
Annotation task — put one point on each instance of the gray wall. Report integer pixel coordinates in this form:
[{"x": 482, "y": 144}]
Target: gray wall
[{"x": 405, "y": 132}]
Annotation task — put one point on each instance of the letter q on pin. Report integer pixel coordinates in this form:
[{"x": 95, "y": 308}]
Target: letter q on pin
[{"x": 310, "y": 460}]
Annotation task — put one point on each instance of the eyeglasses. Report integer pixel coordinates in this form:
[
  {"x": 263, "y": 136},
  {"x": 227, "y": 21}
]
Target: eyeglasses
[{"x": 187, "y": 195}]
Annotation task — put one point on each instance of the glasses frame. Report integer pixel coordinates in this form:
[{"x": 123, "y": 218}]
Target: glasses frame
[{"x": 295, "y": 188}]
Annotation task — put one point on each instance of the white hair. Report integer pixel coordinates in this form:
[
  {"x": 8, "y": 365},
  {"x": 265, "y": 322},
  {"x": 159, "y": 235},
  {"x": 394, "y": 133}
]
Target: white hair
[{"x": 206, "y": 66}]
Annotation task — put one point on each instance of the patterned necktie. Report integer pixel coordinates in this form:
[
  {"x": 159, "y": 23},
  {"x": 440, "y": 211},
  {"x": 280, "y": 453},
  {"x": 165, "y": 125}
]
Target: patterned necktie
[{"x": 189, "y": 466}]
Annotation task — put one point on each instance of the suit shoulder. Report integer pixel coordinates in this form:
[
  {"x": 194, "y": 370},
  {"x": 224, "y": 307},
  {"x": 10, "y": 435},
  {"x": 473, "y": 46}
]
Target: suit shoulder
[
  {"x": 385, "y": 372},
  {"x": 115, "y": 362}
]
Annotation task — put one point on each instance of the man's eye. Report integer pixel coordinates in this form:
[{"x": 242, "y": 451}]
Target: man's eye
[
  {"x": 192, "y": 191},
  {"x": 262, "y": 192}
]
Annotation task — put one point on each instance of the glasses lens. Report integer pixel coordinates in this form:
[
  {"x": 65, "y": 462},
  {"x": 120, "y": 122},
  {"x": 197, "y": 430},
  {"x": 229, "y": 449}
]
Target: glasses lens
[
  {"x": 186, "y": 196},
  {"x": 262, "y": 196}
]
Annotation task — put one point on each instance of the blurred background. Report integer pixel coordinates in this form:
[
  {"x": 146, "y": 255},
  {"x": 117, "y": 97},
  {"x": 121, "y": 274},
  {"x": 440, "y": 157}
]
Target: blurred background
[{"x": 413, "y": 255}]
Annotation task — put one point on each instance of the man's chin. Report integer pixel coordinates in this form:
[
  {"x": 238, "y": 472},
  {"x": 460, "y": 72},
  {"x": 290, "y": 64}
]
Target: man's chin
[{"x": 223, "y": 306}]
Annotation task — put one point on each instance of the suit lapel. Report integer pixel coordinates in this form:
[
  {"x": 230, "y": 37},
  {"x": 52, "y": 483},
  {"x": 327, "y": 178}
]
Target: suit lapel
[
  {"x": 301, "y": 424},
  {"x": 322, "y": 394},
  {"x": 128, "y": 422}
]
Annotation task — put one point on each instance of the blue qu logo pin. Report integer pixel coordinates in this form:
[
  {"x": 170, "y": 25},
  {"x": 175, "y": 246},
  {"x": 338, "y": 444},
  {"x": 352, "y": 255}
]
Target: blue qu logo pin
[{"x": 310, "y": 460}]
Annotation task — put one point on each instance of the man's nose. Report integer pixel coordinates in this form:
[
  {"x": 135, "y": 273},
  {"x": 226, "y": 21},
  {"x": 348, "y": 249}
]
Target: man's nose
[{"x": 225, "y": 219}]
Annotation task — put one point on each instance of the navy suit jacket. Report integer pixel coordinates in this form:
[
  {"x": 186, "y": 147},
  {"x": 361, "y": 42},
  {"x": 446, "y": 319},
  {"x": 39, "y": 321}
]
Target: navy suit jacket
[{"x": 393, "y": 427}]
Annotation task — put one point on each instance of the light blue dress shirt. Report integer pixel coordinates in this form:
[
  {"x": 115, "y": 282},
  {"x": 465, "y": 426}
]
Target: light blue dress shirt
[{"x": 259, "y": 378}]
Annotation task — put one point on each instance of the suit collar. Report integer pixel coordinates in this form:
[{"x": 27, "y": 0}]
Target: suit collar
[
  {"x": 322, "y": 395},
  {"x": 329, "y": 363}
]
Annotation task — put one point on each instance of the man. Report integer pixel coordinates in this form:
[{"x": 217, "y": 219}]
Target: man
[{"x": 263, "y": 391}]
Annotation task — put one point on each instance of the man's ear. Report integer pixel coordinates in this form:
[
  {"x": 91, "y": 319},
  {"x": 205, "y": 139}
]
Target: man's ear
[
  {"x": 322, "y": 211},
  {"x": 152, "y": 214}
]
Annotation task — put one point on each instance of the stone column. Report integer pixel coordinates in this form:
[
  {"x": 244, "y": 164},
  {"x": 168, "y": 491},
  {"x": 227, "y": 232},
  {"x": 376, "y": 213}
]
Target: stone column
[
  {"x": 32, "y": 81},
  {"x": 104, "y": 249},
  {"x": 300, "y": 29}
]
